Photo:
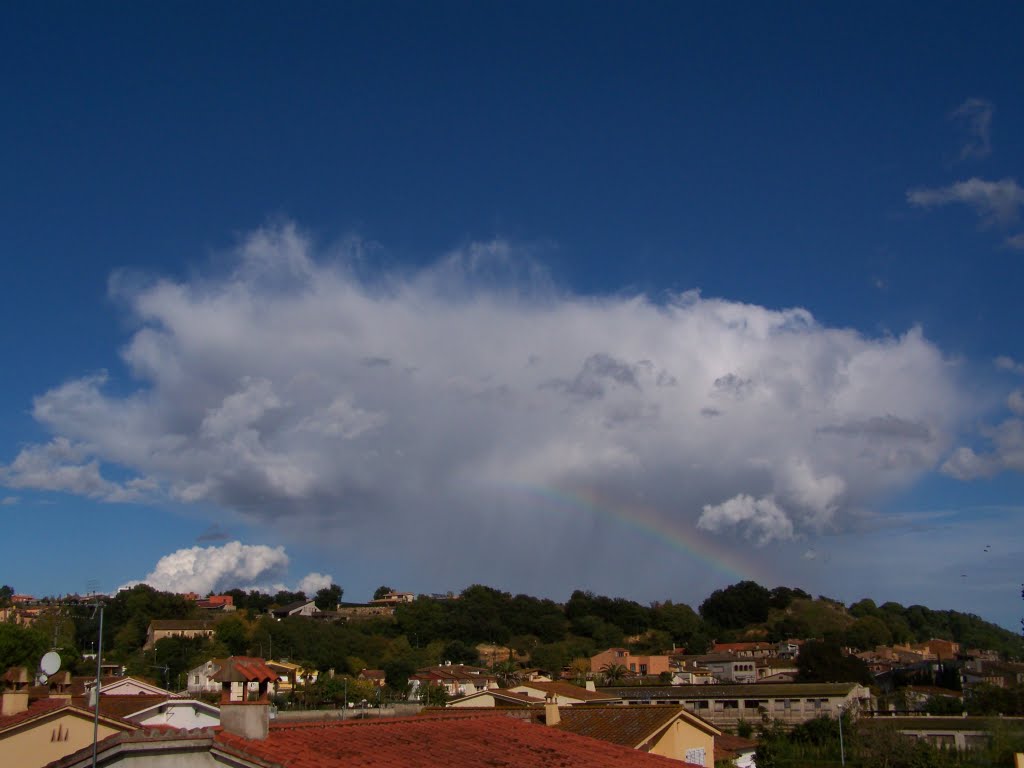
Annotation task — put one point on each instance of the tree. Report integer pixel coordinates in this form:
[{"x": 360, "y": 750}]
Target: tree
[
  {"x": 458, "y": 652},
  {"x": 737, "y": 606},
  {"x": 327, "y": 599},
  {"x": 824, "y": 662},
  {"x": 397, "y": 672},
  {"x": 579, "y": 669},
  {"x": 433, "y": 695},
  {"x": 233, "y": 634},
  {"x": 613, "y": 672},
  {"x": 867, "y": 632},
  {"x": 380, "y": 592},
  {"x": 6, "y": 593},
  {"x": 507, "y": 673},
  {"x": 21, "y": 646}
]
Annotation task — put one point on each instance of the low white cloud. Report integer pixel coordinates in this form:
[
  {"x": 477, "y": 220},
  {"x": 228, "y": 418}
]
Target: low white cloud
[
  {"x": 1015, "y": 242},
  {"x": 759, "y": 519},
  {"x": 233, "y": 565},
  {"x": 1005, "y": 449},
  {"x": 975, "y": 119},
  {"x": 1015, "y": 402},
  {"x": 432, "y": 402},
  {"x": 996, "y": 202},
  {"x": 314, "y": 582},
  {"x": 9, "y": 501}
]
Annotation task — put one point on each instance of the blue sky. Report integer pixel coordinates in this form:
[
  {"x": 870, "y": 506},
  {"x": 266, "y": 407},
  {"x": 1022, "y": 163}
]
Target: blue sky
[{"x": 380, "y": 291}]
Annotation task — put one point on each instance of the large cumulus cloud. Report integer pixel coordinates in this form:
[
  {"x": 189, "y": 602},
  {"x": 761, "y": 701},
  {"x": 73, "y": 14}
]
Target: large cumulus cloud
[
  {"x": 292, "y": 389},
  {"x": 233, "y": 565}
]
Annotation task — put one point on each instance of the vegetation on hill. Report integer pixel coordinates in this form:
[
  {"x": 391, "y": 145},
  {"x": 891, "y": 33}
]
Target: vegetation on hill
[{"x": 537, "y": 631}]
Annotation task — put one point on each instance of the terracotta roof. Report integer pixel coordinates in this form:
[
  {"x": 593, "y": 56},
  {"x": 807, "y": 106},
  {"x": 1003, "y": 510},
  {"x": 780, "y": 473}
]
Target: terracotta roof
[
  {"x": 35, "y": 709},
  {"x": 122, "y": 706},
  {"x": 44, "y": 708},
  {"x": 753, "y": 691},
  {"x": 503, "y": 694},
  {"x": 628, "y": 726},
  {"x": 729, "y": 747},
  {"x": 245, "y": 669},
  {"x": 760, "y": 646},
  {"x": 486, "y": 740},
  {"x": 569, "y": 690}
]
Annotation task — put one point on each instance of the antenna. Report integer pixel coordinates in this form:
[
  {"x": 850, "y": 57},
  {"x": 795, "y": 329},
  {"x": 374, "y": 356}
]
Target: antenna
[{"x": 167, "y": 673}]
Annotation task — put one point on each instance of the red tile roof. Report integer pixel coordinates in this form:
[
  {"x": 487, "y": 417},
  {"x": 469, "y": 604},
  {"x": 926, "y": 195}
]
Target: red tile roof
[
  {"x": 44, "y": 708},
  {"x": 122, "y": 706},
  {"x": 628, "y": 726},
  {"x": 485, "y": 741},
  {"x": 568, "y": 690},
  {"x": 729, "y": 747},
  {"x": 245, "y": 669},
  {"x": 35, "y": 709}
]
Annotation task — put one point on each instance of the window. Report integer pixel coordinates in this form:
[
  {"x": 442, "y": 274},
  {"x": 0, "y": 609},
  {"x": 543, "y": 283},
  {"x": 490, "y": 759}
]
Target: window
[
  {"x": 643, "y": 669},
  {"x": 695, "y": 756},
  {"x": 632, "y": 667}
]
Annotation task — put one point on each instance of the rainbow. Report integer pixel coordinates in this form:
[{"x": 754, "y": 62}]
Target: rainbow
[{"x": 681, "y": 536}]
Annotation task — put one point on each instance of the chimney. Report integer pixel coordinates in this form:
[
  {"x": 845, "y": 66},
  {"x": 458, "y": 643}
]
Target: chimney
[
  {"x": 15, "y": 696},
  {"x": 245, "y": 696},
  {"x": 551, "y": 713}
]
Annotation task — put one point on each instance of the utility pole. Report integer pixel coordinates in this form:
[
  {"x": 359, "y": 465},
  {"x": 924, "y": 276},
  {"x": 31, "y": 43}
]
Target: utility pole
[{"x": 99, "y": 669}]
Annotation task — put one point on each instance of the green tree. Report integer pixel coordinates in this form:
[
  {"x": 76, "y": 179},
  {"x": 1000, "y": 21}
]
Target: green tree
[
  {"x": 824, "y": 662},
  {"x": 327, "y": 599},
  {"x": 458, "y": 652},
  {"x": 233, "y": 634},
  {"x": 507, "y": 672},
  {"x": 381, "y": 592},
  {"x": 397, "y": 672},
  {"x": 867, "y": 632},
  {"x": 579, "y": 669},
  {"x": 737, "y": 606},
  {"x": 21, "y": 646},
  {"x": 433, "y": 695},
  {"x": 613, "y": 673}
]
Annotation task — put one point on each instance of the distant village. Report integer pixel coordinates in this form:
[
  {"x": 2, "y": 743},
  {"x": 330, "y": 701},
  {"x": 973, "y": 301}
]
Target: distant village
[{"x": 232, "y": 698}]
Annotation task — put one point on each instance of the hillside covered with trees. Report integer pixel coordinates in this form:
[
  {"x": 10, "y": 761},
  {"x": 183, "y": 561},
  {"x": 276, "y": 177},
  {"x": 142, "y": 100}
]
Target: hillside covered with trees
[{"x": 538, "y": 632}]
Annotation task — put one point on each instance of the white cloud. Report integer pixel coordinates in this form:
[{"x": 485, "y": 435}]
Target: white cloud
[
  {"x": 9, "y": 501},
  {"x": 213, "y": 569},
  {"x": 313, "y": 582},
  {"x": 1004, "y": 363},
  {"x": 760, "y": 519},
  {"x": 996, "y": 202},
  {"x": 62, "y": 465},
  {"x": 975, "y": 118},
  {"x": 1006, "y": 453},
  {"x": 1015, "y": 242},
  {"x": 1015, "y": 402},
  {"x": 291, "y": 392}
]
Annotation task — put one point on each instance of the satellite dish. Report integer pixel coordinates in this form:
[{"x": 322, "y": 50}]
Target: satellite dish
[{"x": 50, "y": 663}]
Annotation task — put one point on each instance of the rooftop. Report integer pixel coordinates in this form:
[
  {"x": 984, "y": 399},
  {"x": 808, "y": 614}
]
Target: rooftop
[{"x": 470, "y": 741}]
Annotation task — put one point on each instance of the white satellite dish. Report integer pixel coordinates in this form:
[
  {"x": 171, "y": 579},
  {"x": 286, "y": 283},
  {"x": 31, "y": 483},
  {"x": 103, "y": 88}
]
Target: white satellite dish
[
  {"x": 43, "y": 679},
  {"x": 50, "y": 663}
]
